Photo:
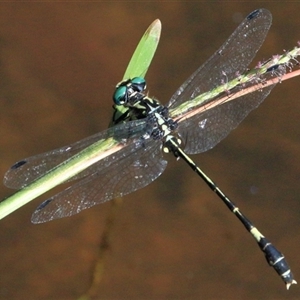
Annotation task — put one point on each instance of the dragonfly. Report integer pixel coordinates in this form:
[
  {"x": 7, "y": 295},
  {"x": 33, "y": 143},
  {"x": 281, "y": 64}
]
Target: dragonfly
[{"x": 129, "y": 155}]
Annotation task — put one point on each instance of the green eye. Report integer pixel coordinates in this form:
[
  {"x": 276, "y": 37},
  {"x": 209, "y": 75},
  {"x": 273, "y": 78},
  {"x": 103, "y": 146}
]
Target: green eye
[
  {"x": 138, "y": 83},
  {"x": 120, "y": 95}
]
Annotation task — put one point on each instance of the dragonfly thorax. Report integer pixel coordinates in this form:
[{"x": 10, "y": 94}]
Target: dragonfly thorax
[
  {"x": 131, "y": 103},
  {"x": 161, "y": 122}
]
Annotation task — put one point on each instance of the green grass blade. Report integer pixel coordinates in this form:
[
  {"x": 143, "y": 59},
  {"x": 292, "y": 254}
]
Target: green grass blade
[{"x": 144, "y": 52}]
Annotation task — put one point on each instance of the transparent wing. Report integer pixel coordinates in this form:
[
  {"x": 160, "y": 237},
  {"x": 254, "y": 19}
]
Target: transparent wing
[
  {"x": 233, "y": 57},
  {"x": 134, "y": 167},
  {"x": 203, "y": 131},
  {"x": 29, "y": 169}
]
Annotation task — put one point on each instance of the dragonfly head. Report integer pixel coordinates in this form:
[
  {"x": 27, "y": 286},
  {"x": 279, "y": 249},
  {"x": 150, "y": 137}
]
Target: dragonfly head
[{"x": 128, "y": 90}]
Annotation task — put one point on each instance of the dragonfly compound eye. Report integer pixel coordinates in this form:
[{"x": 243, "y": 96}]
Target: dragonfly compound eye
[
  {"x": 138, "y": 84},
  {"x": 121, "y": 95}
]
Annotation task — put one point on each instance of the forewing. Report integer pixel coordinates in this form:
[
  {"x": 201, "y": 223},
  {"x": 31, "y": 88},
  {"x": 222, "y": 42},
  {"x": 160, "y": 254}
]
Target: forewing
[
  {"x": 29, "y": 169},
  {"x": 231, "y": 59}
]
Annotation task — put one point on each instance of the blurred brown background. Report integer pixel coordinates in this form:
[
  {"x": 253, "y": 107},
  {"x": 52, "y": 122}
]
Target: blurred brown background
[{"x": 59, "y": 63}]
